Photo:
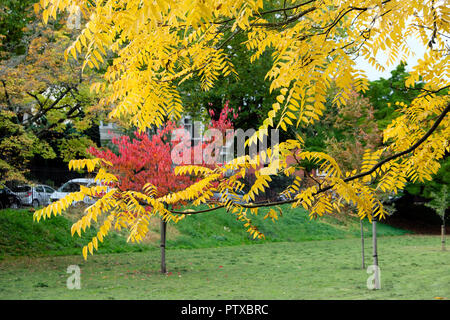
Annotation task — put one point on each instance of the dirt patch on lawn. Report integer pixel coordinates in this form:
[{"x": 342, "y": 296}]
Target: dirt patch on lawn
[{"x": 154, "y": 233}]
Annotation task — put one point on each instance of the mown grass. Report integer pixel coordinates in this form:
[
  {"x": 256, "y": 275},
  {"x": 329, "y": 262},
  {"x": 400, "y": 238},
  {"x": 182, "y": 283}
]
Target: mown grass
[
  {"x": 210, "y": 256},
  {"x": 412, "y": 267}
]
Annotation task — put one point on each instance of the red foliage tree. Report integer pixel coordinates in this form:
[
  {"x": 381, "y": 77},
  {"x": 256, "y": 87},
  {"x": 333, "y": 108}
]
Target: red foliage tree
[
  {"x": 144, "y": 159},
  {"x": 148, "y": 159},
  {"x": 224, "y": 122}
]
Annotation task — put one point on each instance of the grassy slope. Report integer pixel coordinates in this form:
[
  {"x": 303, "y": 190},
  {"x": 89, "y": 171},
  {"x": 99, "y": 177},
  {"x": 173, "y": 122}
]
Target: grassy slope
[
  {"x": 412, "y": 267},
  {"x": 19, "y": 235},
  {"x": 207, "y": 230}
]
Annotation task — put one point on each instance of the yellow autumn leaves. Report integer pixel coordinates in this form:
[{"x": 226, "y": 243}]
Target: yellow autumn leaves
[{"x": 159, "y": 44}]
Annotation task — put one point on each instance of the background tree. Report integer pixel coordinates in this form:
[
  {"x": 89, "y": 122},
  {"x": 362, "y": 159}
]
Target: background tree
[
  {"x": 440, "y": 203},
  {"x": 357, "y": 131},
  {"x": 345, "y": 133},
  {"x": 17, "y": 148},
  {"x": 14, "y": 18},
  {"x": 384, "y": 93},
  {"x": 249, "y": 90},
  {"x": 42, "y": 90},
  {"x": 50, "y": 99}
]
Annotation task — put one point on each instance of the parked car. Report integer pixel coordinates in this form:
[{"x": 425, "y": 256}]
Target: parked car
[
  {"x": 223, "y": 197},
  {"x": 34, "y": 195},
  {"x": 8, "y": 199},
  {"x": 74, "y": 186},
  {"x": 288, "y": 195}
]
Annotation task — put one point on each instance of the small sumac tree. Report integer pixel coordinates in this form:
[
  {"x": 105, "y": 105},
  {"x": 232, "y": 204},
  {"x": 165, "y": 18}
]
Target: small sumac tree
[
  {"x": 139, "y": 182},
  {"x": 440, "y": 203}
]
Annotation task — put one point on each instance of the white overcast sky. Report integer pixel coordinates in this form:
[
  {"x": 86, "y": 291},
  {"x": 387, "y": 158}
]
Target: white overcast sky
[{"x": 415, "y": 46}]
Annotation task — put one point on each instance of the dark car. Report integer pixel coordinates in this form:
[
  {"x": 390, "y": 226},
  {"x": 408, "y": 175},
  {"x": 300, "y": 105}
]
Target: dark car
[{"x": 8, "y": 199}]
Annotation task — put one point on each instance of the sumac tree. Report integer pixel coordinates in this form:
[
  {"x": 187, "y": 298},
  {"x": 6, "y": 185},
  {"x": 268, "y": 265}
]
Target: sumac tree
[{"x": 159, "y": 45}]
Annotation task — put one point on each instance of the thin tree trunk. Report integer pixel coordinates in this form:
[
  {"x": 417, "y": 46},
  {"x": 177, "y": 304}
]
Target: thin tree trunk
[
  {"x": 375, "y": 253},
  {"x": 362, "y": 245},
  {"x": 163, "y": 245},
  {"x": 443, "y": 236}
]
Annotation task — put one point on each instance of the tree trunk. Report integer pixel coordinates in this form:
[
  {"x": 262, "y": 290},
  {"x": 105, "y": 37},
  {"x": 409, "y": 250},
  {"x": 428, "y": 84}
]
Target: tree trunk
[
  {"x": 375, "y": 253},
  {"x": 362, "y": 245},
  {"x": 443, "y": 236},
  {"x": 163, "y": 245}
]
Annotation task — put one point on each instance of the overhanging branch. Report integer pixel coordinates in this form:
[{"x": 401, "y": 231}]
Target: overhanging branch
[{"x": 357, "y": 176}]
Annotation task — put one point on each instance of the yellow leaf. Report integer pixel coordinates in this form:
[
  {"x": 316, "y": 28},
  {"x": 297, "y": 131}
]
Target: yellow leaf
[
  {"x": 45, "y": 16},
  {"x": 280, "y": 98},
  {"x": 98, "y": 56},
  {"x": 36, "y": 8},
  {"x": 73, "y": 51},
  {"x": 95, "y": 243}
]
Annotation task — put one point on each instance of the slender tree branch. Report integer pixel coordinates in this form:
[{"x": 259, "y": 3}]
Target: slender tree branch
[
  {"x": 69, "y": 115},
  {"x": 284, "y": 22},
  {"x": 43, "y": 110},
  {"x": 271, "y": 11},
  {"x": 420, "y": 89},
  {"x": 8, "y": 100}
]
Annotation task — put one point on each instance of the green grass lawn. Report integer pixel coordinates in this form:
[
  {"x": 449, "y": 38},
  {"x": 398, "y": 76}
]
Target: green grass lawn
[
  {"x": 210, "y": 256},
  {"x": 412, "y": 267}
]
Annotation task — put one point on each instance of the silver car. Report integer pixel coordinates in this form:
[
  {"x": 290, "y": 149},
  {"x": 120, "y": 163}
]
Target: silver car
[
  {"x": 34, "y": 195},
  {"x": 74, "y": 186},
  {"x": 223, "y": 197}
]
